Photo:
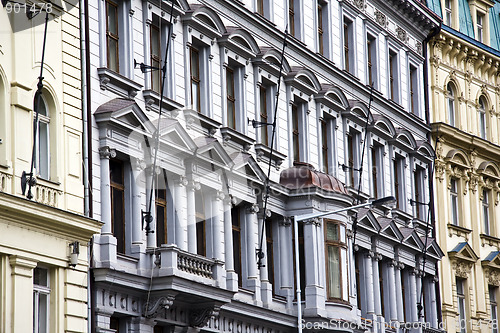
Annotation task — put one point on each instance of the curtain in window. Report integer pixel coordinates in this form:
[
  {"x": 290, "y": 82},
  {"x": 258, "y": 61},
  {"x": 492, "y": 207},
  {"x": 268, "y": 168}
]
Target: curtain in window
[{"x": 334, "y": 290}]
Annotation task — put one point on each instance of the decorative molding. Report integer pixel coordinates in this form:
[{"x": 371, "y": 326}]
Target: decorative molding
[
  {"x": 401, "y": 34},
  {"x": 286, "y": 221},
  {"x": 164, "y": 302},
  {"x": 107, "y": 153},
  {"x": 462, "y": 269},
  {"x": 380, "y": 18},
  {"x": 200, "y": 317}
]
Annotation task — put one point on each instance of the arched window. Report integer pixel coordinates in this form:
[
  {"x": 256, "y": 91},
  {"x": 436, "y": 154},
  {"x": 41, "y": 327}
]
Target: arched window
[
  {"x": 482, "y": 118},
  {"x": 42, "y": 161},
  {"x": 450, "y": 99}
]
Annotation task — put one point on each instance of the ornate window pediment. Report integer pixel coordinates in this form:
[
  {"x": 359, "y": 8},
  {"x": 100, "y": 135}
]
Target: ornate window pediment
[
  {"x": 246, "y": 165},
  {"x": 368, "y": 221},
  {"x": 489, "y": 178},
  {"x": 463, "y": 258},
  {"x": 382, "y": 127},
  {"x": 491, "y": 264}
]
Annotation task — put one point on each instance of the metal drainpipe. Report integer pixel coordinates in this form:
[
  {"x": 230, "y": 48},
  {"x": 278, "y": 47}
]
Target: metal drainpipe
[{"x": 429, "y": 138}]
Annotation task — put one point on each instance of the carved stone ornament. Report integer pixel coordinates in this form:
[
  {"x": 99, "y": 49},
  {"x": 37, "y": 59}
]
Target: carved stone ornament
[
  {"x": 152, "y": 308},
  {"x": 493, "y": 277},
  {"x": 440, "y": 168},
  {"x": 286, "y": 222},
  {"x": 200, "y": 317},
  {"x": 419, "y": 47},
  {"x": 253, "y": 209},
  {"x": 462, "y": 269},
  {"x": 360, "y": 4},
  {"x": 401, "y": 34},
  {"x": 380, "y": 18},
  {"x": 106, "y": 152}
]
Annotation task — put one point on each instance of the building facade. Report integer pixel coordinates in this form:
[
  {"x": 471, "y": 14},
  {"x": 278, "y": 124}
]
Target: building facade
[
  {"x": 206, "y": 189},
  {"x": 463, "y": 74},
  {"x": 42, "y": 288}
]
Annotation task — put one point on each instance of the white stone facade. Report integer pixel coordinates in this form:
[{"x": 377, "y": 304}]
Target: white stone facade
[{"x": 203, "y": 274}]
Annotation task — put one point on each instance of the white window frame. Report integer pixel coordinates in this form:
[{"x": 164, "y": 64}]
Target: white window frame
[
  {"x": 395, "y": 96},
  {"x": 377, "y": 149},
  {"x": 43, "y": 158},
  {"x": 480, "y": 21},
  {"x": 372, "y": 38},
  {"x": 330, "y": 123},
  {"x": 454, "y": 201},
  {"x": 448, "y": 10},
  {"x": 349, "y": 65},
  {"x": 493, "y": 291},
  {"x": 41, "y": 312},
  {"x": 483, "y": 126},
  {"x": 461, "y": 303},
  {"x": 486, "y": 211},
  {"x": 451, "y": 106}
]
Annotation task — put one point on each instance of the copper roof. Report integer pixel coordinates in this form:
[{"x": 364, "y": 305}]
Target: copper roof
[{"x": 303, "y": 175}]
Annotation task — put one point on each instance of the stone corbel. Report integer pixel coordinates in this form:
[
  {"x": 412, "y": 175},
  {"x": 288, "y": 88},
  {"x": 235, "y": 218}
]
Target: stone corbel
[
  {"x": 200, "y": 317},
  {"x": 286, "y": 221},
  {"x": 314, "y": 221},
  {"x": 253, "y": 209},
  {"x": 152, "y": 308}
]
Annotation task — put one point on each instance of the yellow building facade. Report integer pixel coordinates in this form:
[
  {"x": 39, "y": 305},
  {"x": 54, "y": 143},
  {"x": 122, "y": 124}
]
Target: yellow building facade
[
  {"x": 464, "y": 112},
  {"x": 43, "y": 241}
]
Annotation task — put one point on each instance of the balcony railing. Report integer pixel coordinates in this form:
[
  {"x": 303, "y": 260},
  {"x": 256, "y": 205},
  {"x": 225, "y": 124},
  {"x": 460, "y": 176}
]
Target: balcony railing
[{"x": 174, "y": 261}]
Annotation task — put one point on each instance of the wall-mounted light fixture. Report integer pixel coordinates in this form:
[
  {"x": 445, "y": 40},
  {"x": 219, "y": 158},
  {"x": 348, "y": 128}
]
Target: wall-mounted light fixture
[{"x": 75, "y": 251}]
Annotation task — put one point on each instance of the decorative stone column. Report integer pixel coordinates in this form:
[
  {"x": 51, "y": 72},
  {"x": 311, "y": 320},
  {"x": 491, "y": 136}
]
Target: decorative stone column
[
  {"x": 180, "y": 203},
  {"x": 191, "y": 215},
  {"x": 138, "y": 166},
  {"x": 314, "y": 295},
  {"x": 285, "y": 259},
  {"x": 413, "y": 295},
  {"x": 217, "y": 225},
  {"x": 22, "y": 293},
  {"x": 253, "y": 282},
  {"x": 106, "y": 240},
  {"x": 265, "y": 286},
  {"x": 392, "y": 291},
  {"x": 368, "y": 275},
  {"x": 105, "y": 154},
  {"x": 399, "y": 291},
  {"x": 231, "y": 276}
]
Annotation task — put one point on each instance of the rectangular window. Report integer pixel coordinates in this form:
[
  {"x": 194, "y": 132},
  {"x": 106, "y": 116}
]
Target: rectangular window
[
  {"x": 377, "y": 170},
  {"x": 371, "y": 59},
  {"x": 351, "y": 155},
  {"x": 461, "y": 304},
  {"x": 42, "y": 161},
  {"x": 231, "y": 98},
  {"x": 264, "y": 131},
  {"x": 292, "y": 18},
  {"x": 480, "y": 20},
  {"x": 161, "y": 217},
  {"x": 486, "y": 211},
  {"x": 195, "y": 78},
  {"x": 260, "y": 7},
  {"x": 117, "y": 187},
  {"x": 399, "y": 182},
  {"x": 236, "y": 227},
  {"x": 334, "y": 242},
  {"x": 320, "y": 29},
  {"x": 404, "y": 294},
  {"x": 359, "y": 257},
  {"x": 413, "y": 90},
  {"x": 155, "y": 57},
  {"x": 454, "y": 201},
  {"x": 295, "y": 133},
  {"x": 324, "y": 145},
  {"x": 201, "y": 236},
  {"x": 393, "y": 76},
  {"x": 112, "y": 35},
  {"x": 447, "y": 12},
  {"x": 418, "y": 179},
  {"x": 348, "y": 35},
  {"x": 492, "y": 290},
  {"x": 482, "y": 123},
  {"x": 41, "y": 300},
  {"x": 270, "y": 252}
]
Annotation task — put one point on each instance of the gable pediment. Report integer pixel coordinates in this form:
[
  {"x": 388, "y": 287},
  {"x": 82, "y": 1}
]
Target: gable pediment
[
  {"x": 492, "y": 260},
  {"x": 367, "y": 220},
  {"x": 124, "y": 113},
  {"x": 245, "y": 164},
  {"x": 463, "y": 251},
  {"x": 211, "y": 150},
  {"x": 173, "y": 134},
  {"x": 391, "y": 230}
]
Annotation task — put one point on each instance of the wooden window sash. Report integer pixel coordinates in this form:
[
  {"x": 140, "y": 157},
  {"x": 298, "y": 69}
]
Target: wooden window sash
[
  {"x": 111, "y": 36},
  {"x": 155, "y": 59},
  {"x": 291, "y": 16},
  {"x": 264, "y": 132},
  {"x": 195, "y": 76},
  {"x": 231, "y": 99},
  {"x": 320, "y": 28},
  {"x": 324, "y": 145},
  {"x": 296, "y": 133},
  {"x": 346, "y": 46}
]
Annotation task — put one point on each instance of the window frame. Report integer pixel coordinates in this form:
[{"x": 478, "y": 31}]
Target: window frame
[
  {"x": 371, "y": 60},
  {"x": 270, "y": 253},
  {"x": 43, "y": 158},
  {"x": 230, "y": 78},
  {"x": 483, "y": 119},
  {"x": 348, "y": 42},
  {"x": 461, "y": 302},
  {"x": 155, "y": 59},
  {"x": 399, "y": 181},
  {"x": 486, "y": 212},
  {"x": 339, "y": 245},
  {"x": 161, "y": 203},
  {"x": 455, "y": 201},
  {"x": 493, "y": 292},
  {"x": 448, "y": 13},
  {"x": 451, "y": 106},
  {"x": 195, "y": 79},
  {"x": 377, "y": 164},
  {"x": 419, "y": 195},
  {"x": 119, "y": 188},
  {"x": 480, "y": 26},
  {"x": 236, "y": 235},
  {"x": 414, "y": 89},
  {"x": 41, "y": 290},
  {"x": 111, "y": 36},
  {"x": 393, "y": 63}
]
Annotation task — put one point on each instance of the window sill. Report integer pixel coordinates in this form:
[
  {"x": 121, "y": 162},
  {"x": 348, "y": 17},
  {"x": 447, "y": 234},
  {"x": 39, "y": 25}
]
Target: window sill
[
  {"x": 117, "y": 83},
  {"x": 489, "y": 240},
  {"x": 198, "y": 121},
  {"x": 264, "y": 155},
  {"x": 458, "y": 231},
  {"x": 237, "y": 139},
  {"x": 152, "y": 99}
]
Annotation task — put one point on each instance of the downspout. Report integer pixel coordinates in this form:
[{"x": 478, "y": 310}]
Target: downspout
[
  {"x": 86, "y": 149},
  {"x": 425, "y": 43}
]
